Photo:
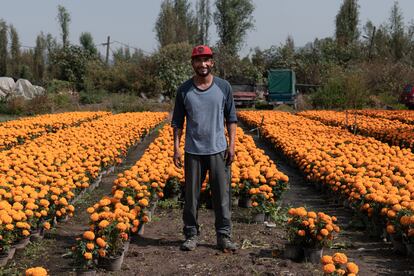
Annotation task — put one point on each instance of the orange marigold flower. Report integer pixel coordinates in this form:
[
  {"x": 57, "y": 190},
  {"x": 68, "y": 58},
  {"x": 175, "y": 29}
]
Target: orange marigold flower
[
  {"x": 324, "y": 232},
  {"x": 121, "y": 226},
  {"x": 90, "y": 245},
  {"x": 301, "y": 233},
  {"x": 102, "y": 252},
  {"x": 326, "y": 259},
  {"x": 352, "y": 268},
  {"x": 46, "y": 225},
  {"x": 339, "y": 258},
  {"x": 103, "y": 224},
  {"x": 329, "y": 268},
  {"x": 87, "y": 255},
  {"x": 101, "y": 242},
  {"x": 36, "y": 271},
  {"x": 89, "y": 235}
]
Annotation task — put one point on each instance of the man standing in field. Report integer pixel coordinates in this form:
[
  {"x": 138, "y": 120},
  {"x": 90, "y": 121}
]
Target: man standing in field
[{"x": 206, "y": 102}]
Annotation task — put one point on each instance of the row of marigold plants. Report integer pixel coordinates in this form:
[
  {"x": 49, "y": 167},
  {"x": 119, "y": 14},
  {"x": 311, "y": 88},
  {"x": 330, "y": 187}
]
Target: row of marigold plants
[
  {"x": 405, "y": 116},
  {"x": 40, "y": 179},
  {"x": 389, "y": 131},
  {"x": 373, "y": 177},
  {"x": 18, "y": 131},
  {"x": 114, "y": 218}
]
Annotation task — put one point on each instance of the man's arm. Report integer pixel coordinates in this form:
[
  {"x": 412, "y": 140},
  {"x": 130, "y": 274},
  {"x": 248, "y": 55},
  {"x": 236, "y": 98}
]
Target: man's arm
[
  {"x": 231, "y": 130},
  {"x": 177, "y": 123},
  {"x": 177, "y": 154}
]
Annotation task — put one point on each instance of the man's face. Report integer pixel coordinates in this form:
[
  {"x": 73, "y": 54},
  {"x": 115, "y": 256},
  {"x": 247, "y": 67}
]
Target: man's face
[{"x": 202, "y": 65}]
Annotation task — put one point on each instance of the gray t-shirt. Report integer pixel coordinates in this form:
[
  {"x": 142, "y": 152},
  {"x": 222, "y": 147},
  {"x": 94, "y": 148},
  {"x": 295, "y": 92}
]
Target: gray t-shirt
[{"x": 205, "y": 111}]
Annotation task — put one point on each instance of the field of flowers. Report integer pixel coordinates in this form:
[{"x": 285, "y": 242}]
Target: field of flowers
[
  {"x": 48, "y": 162},
  {"x": 405, "y": 116},
  {"x": 40, "y": 178},
  {"x": 375, "y": 178},
  {"x": 18, "y": 131},
  {"x": 391, "y": 131},
  {"x": 136, "y": 192}
]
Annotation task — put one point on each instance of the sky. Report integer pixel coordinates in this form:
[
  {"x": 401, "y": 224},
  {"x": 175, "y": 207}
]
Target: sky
[{"x": 132, "y": 21}]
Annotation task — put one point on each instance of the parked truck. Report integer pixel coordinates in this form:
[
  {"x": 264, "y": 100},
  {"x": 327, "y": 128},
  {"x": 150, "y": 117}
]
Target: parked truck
[
  {"x": 281, "y": 87},
  {"x": 244, "y": 95}
]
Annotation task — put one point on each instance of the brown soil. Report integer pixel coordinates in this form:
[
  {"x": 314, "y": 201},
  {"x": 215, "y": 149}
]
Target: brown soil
[{"x": 157, "y": 252}]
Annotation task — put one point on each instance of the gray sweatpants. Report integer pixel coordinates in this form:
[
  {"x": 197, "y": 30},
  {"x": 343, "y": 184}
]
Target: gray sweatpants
[{"x": 196, "y": 167}]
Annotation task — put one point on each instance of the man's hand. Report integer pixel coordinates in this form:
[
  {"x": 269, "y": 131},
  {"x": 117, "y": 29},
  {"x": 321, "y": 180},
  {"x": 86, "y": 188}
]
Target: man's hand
[
  {"x": 177, "y": 159},
  {"x": 229, "y": 156}
]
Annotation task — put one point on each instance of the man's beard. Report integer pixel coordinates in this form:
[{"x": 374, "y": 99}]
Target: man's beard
[{"x": 203, "y": 74}]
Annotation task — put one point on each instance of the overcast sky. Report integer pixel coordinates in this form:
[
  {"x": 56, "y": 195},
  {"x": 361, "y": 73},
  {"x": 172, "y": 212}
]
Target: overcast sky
[{"x": 132, "y": 21}]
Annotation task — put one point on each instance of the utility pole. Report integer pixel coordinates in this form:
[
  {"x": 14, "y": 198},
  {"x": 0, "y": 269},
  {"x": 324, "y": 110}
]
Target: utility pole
[
  {"x": 371, "y": 43},
  {"x": 107, "y": 49}
]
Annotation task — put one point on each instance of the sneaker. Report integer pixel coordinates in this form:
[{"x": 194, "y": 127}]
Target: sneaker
[
  {"x": 189, "y": 244},
  {"x": 225, "y": 244}
]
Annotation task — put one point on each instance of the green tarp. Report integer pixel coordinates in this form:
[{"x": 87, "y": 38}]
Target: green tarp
[{"x": 281, "y": 85}]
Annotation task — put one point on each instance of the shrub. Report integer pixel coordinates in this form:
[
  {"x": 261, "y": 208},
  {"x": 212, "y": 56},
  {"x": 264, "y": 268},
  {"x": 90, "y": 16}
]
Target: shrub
[
  {"x": 92, "y": 97},
  {"x": 55, "y": 86}
]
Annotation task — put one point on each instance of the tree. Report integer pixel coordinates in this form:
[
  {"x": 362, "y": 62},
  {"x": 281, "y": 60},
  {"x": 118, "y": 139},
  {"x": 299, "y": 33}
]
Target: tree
[
  {"x": 71, "y": 63},
  {"x": 14, "y": 52},
  {"x": 39, "y": 57},
  {"x": 3, "y": 48},
  {"x": 233, "y": 18},
  {"x": 173, "y": 66},
  {"x": 398, "y": 40},
  {"x": 347, "y": 23},
  {"x": 203, "y": 17},
  {"x": 86, "y": 41},
  {"x": 175, "y": 23},
  {"x": 64, "y": 20}
]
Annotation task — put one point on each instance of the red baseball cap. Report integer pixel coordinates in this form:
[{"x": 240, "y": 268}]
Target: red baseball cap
[{"x": 201, "y": 50}]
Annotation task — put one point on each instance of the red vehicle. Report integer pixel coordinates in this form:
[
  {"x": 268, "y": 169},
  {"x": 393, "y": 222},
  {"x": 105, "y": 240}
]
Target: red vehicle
[
  {"x": 244, "y": 95},
  {"x": 407, "y": 96}
]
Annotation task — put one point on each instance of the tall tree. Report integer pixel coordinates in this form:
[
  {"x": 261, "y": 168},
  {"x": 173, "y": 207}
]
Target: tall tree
[
  {"x": 233, "y": 18},
  {"x": 3, "y": 48},
  {"x": 346, "y": 31},
  {"x": 86, "y": 41},
  {"x": 203, "y": 17},
  {"x": 175, "y": 23},
  {"x": 14, "y": 52},
  {"x": 396, "y": 32},
  {"x": 64, "y": 20},
  {"x": 39, "y": 57}
]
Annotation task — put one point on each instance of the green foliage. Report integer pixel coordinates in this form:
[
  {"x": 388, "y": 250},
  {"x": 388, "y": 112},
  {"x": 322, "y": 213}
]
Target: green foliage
[
  {"x": 342, "y": 90},
  {"x": 346, "y": 31},
  {"x": 14, "y": 52},
  {"x": 71, "y": 63},
  {"x": 233, "y": 19},
  {"x": 86, "y": 40},
  {"x": 176, "y": 23},
  {"x": 54, "y": 86},
  {"x": 174, "y": 67},
  {"x": 3, "y": 48},
  {"x": 92, "y": 97},
  {"x": 63, "y": 18},
  {"x": 202, "y": 18}
]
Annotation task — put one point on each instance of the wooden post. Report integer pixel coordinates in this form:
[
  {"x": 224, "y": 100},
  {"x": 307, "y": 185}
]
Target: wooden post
[{"x": 107, "y": 49}]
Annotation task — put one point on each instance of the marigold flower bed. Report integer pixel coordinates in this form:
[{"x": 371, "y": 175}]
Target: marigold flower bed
[
  {"x": 405, "y": 116},
  {"x": 38, "y": 180},
  {"x": 375, "y": 177},
  {"x": 389, "y": 131},
  {"x": 136, "y": 190},
  {"x": 18, "y": 131}
]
